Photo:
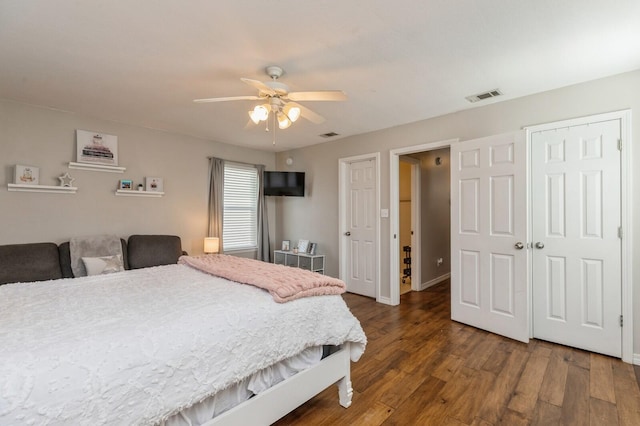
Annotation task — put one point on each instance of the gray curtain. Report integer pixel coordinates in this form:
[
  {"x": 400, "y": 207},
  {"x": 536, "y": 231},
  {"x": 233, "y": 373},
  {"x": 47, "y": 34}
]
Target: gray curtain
[
  {"x": 264, "y": 245},
  {"x": 216, "y": 199}
]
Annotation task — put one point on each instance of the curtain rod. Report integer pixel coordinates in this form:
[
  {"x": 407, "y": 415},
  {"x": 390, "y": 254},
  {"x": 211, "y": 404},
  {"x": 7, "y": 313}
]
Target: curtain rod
[{"x": 238, "y": 162}]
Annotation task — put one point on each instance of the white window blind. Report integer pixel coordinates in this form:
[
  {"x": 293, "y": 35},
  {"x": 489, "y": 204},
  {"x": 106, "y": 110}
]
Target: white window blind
[{"x": 240, "y": 222}]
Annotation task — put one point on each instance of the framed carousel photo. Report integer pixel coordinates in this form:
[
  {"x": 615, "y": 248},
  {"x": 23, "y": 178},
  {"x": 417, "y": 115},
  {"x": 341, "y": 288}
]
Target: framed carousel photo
[{"x": 27, "y": 175}]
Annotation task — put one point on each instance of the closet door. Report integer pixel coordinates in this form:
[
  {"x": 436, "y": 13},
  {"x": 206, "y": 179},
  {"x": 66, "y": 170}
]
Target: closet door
[
  {"x": 576, "y": 269},
  {"x": 489, "y": 233}
]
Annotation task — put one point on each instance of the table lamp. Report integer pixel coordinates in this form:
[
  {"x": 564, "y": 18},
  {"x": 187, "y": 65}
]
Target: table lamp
[{"x": 211, "y": 245}]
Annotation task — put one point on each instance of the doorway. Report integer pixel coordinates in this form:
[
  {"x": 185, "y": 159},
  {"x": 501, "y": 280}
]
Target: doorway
[
  {"x": 423, "y": 264},
  {"x": 409, "y": 217}
]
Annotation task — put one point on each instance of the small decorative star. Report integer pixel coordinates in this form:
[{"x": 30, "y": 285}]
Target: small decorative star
[{"x": 66, "y": 180}]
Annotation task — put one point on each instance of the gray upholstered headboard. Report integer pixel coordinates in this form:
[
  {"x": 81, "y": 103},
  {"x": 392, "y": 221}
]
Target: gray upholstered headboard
[
  {"x": 48, "y": 261},
  {"x": 153, "y": 250},
  {"x": 29, "y": 262}
]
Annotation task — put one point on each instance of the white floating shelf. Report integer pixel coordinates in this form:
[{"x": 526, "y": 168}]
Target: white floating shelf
[
  {"x": 41, "y": 188},
  {"x": 97, "y": 167},
  {"x": 133, "y": 193}
]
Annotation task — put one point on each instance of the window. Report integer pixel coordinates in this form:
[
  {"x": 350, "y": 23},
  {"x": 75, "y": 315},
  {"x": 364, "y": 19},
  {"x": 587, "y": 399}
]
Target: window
[{"x": 240, "y": 220}]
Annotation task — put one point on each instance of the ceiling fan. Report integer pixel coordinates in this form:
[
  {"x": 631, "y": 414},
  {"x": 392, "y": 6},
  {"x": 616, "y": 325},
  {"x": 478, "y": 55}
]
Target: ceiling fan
[{"x": 280, "y": 101}]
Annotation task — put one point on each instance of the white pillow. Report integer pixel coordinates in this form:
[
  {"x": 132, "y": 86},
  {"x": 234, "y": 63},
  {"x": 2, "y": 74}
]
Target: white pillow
[{"x": 103, "y": 265}]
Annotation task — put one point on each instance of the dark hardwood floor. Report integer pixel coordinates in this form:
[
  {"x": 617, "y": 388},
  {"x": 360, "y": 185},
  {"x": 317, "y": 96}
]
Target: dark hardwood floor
[{"x": 421, "y": 368}]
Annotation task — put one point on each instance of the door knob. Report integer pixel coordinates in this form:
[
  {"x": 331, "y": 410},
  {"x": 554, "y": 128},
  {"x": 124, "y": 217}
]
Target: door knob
[
  {"x": 539, "y": 245},
  {"x": 519, "y": 245},
  {"x": 348, "y": 233}
]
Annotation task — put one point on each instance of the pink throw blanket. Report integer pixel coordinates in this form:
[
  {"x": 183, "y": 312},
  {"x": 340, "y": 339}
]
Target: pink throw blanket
[{"x": 285, "y": 283}]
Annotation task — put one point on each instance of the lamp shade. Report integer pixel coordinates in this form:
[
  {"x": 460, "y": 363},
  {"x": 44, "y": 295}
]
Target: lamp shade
[
  {"x": 293, "y": 112},
  {"x": 283, "y": 121},
  {"x": 211, "y": 245},
  {"x": 259, "y": 113}
]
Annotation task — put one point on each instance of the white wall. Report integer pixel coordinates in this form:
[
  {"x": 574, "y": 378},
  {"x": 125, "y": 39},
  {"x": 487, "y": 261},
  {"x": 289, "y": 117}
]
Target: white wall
[
  {"x": 316, "y": 215},
  {"x": 46, "y": 139}
]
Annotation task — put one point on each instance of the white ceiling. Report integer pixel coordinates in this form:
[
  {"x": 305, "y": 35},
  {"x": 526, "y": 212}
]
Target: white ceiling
[{"x": 143, "y": 62}]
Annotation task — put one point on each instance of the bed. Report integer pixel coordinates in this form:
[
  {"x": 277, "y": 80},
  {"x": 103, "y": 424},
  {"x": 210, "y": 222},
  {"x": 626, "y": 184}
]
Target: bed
[{"x": 160, "y": 345}]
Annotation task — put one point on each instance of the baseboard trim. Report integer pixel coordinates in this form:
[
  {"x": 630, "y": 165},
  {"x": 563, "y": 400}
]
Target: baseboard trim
[
  {"x": 384, "y": 300},
  {"x": 636, "y": 359},
  {"x": 435, "y": 281}
]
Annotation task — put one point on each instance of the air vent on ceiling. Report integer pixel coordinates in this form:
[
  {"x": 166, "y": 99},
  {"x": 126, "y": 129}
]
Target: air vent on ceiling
[
  {"x": 486, "y": 95},
  {"x": 329, "y": 135}
]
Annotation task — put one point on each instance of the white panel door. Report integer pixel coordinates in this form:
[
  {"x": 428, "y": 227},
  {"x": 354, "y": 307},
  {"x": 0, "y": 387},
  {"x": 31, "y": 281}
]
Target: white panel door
[
  {"x": 577, "y": 250},
  {"x": 361, "y": 231},
  {"x": 488, "y": 235}
]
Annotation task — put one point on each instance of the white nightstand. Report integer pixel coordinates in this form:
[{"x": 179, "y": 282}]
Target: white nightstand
[{"x": 310, "y": 262}]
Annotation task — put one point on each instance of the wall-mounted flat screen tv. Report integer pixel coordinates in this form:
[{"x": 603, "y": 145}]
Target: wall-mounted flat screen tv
[{"x": 284, "y": 183}]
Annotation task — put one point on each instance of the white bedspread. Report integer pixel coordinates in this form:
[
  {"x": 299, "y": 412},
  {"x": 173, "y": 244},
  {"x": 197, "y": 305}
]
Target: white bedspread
[{"x": 137, "y": 346}]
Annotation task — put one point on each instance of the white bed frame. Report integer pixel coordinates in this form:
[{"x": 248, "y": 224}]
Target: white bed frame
[{"x": 279, "y": 400}]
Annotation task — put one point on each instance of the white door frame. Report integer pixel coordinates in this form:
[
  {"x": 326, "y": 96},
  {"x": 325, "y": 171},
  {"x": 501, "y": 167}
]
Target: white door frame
[
  {"x": 343, "y": 164},
  {"x": 626, "y": 215},
  {"x": 394, "y": 219}
]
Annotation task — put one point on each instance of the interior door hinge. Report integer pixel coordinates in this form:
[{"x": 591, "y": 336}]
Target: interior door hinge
[
  {"x": 621, "y": 322},
  {"x": 620, "y": 232},
  {"x": 619, "y": 144}
]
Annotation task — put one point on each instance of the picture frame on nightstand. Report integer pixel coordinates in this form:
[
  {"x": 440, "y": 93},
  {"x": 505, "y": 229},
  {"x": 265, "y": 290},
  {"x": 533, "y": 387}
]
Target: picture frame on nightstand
[
  {"x": 303, "y": 246},
  {"x": 286, "y": 245},
  {"x": 313, "y": 248}
]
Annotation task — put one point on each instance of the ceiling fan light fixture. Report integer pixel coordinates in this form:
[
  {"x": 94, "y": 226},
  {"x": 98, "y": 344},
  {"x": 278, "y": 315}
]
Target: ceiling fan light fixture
[
  {"x": 254, "y": 117},
  {"x": 259, "y": 113},
  {"x": 283, "y": 120},
  {"x": 293, "y": 112},
  {"x": 278, "y": 103}
]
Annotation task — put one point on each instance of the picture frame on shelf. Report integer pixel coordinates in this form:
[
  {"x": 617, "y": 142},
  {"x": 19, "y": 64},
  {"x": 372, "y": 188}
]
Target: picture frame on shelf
[
  {"x": 126, "y": 184},
  {"x": 313, "y": 248},
  {"x": 286, "y": 245},
  {"x": 303, "y": 246},
  {"x": 154, "y": 184},
  {"x": 26, "y": 175},
  {"x": 96, "y": 148}
]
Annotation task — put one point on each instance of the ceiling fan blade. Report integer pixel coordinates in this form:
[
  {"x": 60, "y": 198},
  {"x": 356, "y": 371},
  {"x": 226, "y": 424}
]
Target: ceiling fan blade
[
  {"x": 308, "y": 114},
  {"x": 263, "y": 88},
  {"x": 229, "y": 98},
  {"x": 320, "y": 95}
]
